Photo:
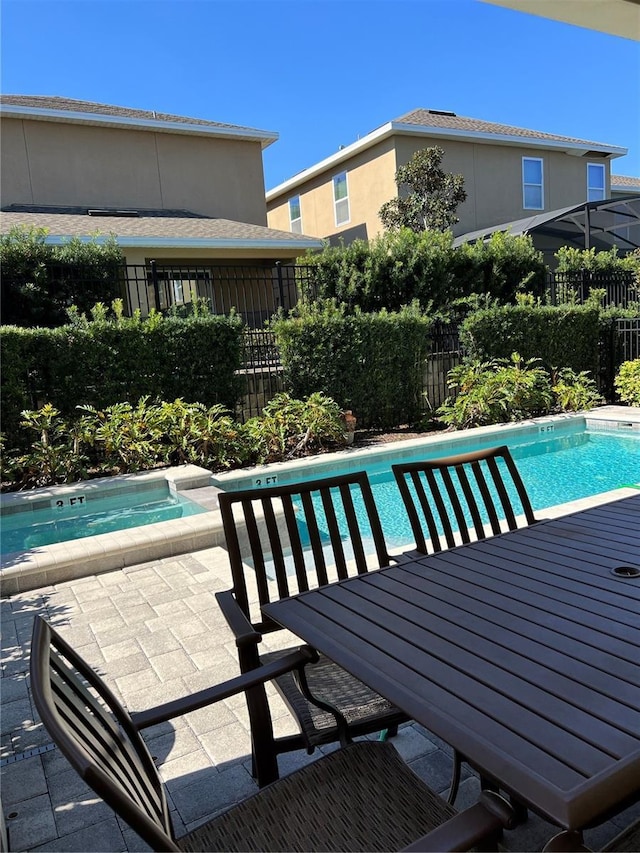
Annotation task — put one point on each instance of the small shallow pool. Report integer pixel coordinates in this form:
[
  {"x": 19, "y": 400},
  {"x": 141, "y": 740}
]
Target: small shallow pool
[{"x": 81, "y": 513}]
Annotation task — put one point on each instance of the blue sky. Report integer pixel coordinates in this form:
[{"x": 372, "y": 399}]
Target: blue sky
[{"x": 322, "y": 73}]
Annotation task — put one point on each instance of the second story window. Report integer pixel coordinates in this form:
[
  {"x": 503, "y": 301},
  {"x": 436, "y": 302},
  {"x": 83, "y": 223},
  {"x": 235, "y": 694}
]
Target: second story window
[
  {"x": 532, "y": 184},
  {"x": 341, "y": 198},
  {"x": 595, "y": 181},
  {"x": 295, "y": 217}
]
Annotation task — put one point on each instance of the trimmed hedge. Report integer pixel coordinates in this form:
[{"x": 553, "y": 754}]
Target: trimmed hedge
[
  {"x": 107, "y": 362},
  {"x": 396, "y": 268},
  {"x": 559, "y": 336},
  {"x": 369, "y": 363}
]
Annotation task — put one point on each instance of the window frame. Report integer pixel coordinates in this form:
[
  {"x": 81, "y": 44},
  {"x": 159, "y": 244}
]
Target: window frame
[
  {"x": 298, "y": 220},
  {"x": 341, "y": 201},
  {"x": 603, "y": 188},
  {"x": 526, "y": 184}
]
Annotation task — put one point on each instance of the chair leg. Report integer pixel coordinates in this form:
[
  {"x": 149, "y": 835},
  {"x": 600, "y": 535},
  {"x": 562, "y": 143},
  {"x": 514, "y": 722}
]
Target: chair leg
[{"x": 455, "y": 777}]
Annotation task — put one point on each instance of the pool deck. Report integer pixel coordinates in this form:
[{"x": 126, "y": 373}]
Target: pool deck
[{"x": 155, "y": 633}]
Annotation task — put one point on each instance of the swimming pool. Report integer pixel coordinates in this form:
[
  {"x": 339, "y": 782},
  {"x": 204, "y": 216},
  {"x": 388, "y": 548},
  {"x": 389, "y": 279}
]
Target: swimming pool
[
  {"x": 82, "y": 513},
  {"x": 560, "y": 459}
]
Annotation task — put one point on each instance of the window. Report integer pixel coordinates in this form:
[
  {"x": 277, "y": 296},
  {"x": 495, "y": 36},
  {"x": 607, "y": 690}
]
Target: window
[
  {"x": 532, "y": 192},
  {"x": 341, "y": 198},
  {"x": 595, "y": 181},
  {"x": 295, "y": 217}
]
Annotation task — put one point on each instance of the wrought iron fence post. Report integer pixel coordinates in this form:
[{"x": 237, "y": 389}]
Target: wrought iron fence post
[
  {"x": 154, "y": 281},
  {"x": 280, "y": 284}
]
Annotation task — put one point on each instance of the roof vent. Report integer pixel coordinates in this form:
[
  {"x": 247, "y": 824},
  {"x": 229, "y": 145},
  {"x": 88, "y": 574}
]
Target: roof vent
[
  {"x": 104, "y": 212},
  {"x": 441, "y": 113}
]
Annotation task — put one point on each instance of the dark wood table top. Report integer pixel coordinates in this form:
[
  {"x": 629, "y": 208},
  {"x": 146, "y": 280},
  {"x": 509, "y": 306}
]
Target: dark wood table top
[{"x": 522, "y": 651}]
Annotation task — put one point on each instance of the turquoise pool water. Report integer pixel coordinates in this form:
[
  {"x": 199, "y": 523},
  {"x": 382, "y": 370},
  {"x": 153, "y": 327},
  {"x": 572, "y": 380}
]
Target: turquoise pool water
[
  {"x": 81, "y": 515},
  {"x": 555, "y": 470},
  {"x": 560, "y": 463}
]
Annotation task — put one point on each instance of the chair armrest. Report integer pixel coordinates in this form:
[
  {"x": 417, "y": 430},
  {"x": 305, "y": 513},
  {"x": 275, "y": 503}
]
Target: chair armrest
[
  {"x": 243, "y": 631},
  {"x": 491, "y": 814},
  {"x": 239, "y": 684}
]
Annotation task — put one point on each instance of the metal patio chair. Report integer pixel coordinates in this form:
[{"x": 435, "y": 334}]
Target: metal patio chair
[
  {"x": 270, "y": 528},
  {"x": 471, "y": 488},
  {"x": 362, "y": 797}
]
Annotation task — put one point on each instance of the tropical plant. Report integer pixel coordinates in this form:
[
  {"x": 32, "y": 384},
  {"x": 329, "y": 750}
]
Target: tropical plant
[
  {"x": 627, "y": 382},
  {"x": 290, "y": 427},
  {"x": 496, "y": 391},
  {"x": 55, "y": 456},
  {"x": 130, "y": 435},
  {"x": 575, "y": 392},
  {"x": 431, "y": 197}
]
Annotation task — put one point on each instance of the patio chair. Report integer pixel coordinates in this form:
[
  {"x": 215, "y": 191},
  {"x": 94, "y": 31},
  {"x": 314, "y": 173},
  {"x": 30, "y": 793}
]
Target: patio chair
[
  {"x": 471, "y": 488},
  {"x": 362, "y": 797},
  {"x": 269, "y": 528}
]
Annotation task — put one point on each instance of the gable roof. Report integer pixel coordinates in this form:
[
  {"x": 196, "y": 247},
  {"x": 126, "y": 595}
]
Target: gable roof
[
  {"x": 441, "y": 124},
  {"x": 178, "y": 229},
  {"x": 69, "y": 110}
]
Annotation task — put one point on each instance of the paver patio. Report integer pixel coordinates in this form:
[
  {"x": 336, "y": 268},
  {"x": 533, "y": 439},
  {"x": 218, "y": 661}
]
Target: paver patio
[{"x": 155, "y": 632}]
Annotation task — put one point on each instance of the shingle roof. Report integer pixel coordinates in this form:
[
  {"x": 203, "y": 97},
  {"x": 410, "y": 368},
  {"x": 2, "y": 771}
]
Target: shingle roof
[
  {"x": 153, "y": 227},
  {"x": 625, "y": 181},
  {"x": 90, "y": 108},
  {"x": 440, "y": 119}
]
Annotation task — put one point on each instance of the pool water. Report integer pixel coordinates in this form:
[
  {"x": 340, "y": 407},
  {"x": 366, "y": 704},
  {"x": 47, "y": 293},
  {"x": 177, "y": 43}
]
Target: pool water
[
  {"x": 554, "y": 471},
  {"x": 556, "y": 467},
  {"x": 83, "y": 515}
]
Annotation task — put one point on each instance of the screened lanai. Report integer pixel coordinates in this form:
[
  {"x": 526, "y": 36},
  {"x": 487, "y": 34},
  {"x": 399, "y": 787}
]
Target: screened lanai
[{"x": 595, "y": 224}]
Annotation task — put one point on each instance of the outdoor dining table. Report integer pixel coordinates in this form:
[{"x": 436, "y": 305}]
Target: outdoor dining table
[{"x": 522, "y": 651}]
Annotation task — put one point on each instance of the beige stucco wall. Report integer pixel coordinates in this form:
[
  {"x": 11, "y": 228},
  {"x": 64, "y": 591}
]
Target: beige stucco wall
[
  {"x": 51, "y": 163},
  {"x": 370, "y": 182},
  {"x": 493, "y": 181}
]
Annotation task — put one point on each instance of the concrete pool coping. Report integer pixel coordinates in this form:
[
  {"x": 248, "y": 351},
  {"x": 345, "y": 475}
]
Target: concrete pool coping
[{"x": 63, "y": 561}]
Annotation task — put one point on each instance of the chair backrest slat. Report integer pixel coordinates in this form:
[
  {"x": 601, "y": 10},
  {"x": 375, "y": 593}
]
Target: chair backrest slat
[
  {"x": 96, "y": 734},
  {"x": 475, "y": 490},
  {"x": 313, "y": 532}
]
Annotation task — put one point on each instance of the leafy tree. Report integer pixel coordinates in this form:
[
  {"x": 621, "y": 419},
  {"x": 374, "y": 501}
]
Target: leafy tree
[{"x": 433, "y": 195}]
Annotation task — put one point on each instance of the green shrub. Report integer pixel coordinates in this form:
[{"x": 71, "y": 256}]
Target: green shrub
[
  {"x": 627, "y": 382},
  {"x": 504, "y": 390},
  {"x": 396, "y": 268},
  {"x": 560, "y": 336},
  {"x": 575, "y": 392},
  {"x": 103, "y": 362},
  {"x": 124, "y": 438},
  {"x": 289, "y": 428},
  {"x": 40, "y": 282},
  {"x": 369, "y": 363},
  {"x": 496, "y": 391}
]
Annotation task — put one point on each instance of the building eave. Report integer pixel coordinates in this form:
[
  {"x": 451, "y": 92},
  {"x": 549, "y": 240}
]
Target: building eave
[
  {"x": 203, "y": 243},
  {"x": 246, "y": 134},
  {"x": 393, "y": 128}
]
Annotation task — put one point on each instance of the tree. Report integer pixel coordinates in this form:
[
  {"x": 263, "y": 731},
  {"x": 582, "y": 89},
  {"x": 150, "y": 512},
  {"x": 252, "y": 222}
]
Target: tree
[{"x": 433, "y": 195}]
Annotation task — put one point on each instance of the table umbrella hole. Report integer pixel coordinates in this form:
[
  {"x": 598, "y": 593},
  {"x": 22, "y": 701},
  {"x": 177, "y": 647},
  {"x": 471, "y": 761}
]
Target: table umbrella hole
[{"x": 626, "y": 572}]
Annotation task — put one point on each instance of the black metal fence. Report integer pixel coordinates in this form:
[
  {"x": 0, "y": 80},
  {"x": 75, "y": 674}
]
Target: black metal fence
[
  {"x": 628, "y": 331},
  {"x": 256, "y": 292},
  {"x": 620, "y": 288}
]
